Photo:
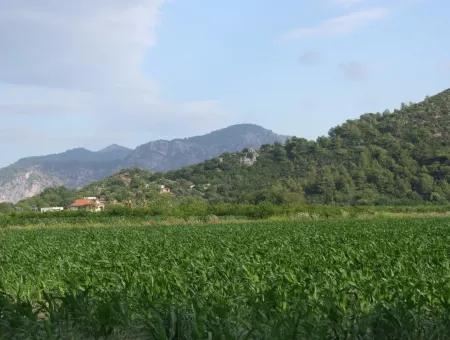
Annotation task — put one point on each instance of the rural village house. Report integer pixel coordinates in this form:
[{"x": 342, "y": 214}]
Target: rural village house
[{"x": 92, "y": 204}]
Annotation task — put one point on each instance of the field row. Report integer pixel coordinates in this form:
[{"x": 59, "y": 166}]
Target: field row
[{"x": 381, "y": 278}]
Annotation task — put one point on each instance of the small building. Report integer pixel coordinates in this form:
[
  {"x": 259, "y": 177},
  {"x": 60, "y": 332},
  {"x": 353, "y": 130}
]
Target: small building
[
  {"x": 81, "y": 204},
  {"x": 164, "y": 190},
  {"x": 91, "y": 204},
  {"x": 51, "y": 209}
]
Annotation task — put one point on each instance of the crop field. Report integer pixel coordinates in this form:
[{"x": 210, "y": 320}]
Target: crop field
[{"x": 343, "y": 279}]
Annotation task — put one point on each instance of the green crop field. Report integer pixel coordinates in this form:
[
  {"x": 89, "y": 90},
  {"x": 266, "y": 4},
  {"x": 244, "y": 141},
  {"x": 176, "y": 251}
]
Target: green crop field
[{"x": 342, "y": 279}]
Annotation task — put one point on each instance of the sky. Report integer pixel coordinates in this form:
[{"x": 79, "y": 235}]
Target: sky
[{"x": 89, "y": 73}]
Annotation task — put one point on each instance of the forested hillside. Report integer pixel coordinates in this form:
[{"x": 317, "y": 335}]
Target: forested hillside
[{"x": 399, "y": 157}]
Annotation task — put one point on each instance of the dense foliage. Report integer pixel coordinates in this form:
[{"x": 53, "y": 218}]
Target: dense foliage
[
  {"x": 50, "y": 197},
  {"x": 6, "y": 208},
  {"x": 401, "y": 157},
  {"x": 318, "y": 280}
]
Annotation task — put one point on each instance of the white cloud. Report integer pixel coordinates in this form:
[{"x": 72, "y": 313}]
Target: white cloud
[
  {"x": 77, "y": 65},
  {"x": 341, "y": 25},
  {"x": 81, "y": 45}
]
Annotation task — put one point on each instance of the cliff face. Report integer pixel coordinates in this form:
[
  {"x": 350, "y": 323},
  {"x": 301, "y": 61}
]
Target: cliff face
[{"x": 26, "y": 183}]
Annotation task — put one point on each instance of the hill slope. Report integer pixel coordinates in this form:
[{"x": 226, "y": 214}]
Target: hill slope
[
  {"x": 382, "y": 158},
  {"x": 79, "y": 167}
]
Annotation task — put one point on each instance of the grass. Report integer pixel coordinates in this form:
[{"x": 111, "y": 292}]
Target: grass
[
  {"x": 200, "y": 213},
  {"x": 379, "y": 278}
]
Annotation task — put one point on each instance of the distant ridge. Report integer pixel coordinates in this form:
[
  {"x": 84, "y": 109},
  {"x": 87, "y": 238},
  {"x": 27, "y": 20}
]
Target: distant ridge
[
  {"x": 78, "y": 167},
  {"x": 163, "y": 155}
]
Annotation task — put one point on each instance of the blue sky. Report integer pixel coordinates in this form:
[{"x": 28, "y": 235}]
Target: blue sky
[{"x": 92, "y": 73}]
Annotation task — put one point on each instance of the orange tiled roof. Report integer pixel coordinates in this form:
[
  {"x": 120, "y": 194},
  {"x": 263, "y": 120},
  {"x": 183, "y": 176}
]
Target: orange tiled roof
[{"x": 81, "y": 203}]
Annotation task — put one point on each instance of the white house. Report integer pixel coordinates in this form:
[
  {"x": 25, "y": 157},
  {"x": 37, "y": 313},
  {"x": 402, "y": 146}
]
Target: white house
[{"x": 52, "y": 209}]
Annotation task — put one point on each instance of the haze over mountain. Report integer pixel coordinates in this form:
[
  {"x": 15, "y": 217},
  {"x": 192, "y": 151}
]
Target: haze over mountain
[{"x": 78, "y": 167}]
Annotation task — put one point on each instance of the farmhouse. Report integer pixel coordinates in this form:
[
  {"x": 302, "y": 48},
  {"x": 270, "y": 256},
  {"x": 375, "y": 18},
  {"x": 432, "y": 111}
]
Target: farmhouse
[{"x": 92, "y": 204}]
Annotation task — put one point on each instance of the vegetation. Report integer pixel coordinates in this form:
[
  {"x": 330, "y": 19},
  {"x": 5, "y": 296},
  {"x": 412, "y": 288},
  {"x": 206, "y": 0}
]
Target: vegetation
[
  {"x": 50, "y": 197},
  {"x": 6, "y": 208},
  {"x": 191, "y": 210},
  {"x": 307, "y": 262},
  {"x": 380, "y": 278},
  {"x": 390, "y": 158}
]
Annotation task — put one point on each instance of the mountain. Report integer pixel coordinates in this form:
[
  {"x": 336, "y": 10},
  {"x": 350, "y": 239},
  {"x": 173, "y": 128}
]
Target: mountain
[
  {"x": 73, "y": 168},
  {"x": 400, "y": 157},
  {"x": 165, "y": 155},
  {"x": 78, "y": 167}
]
